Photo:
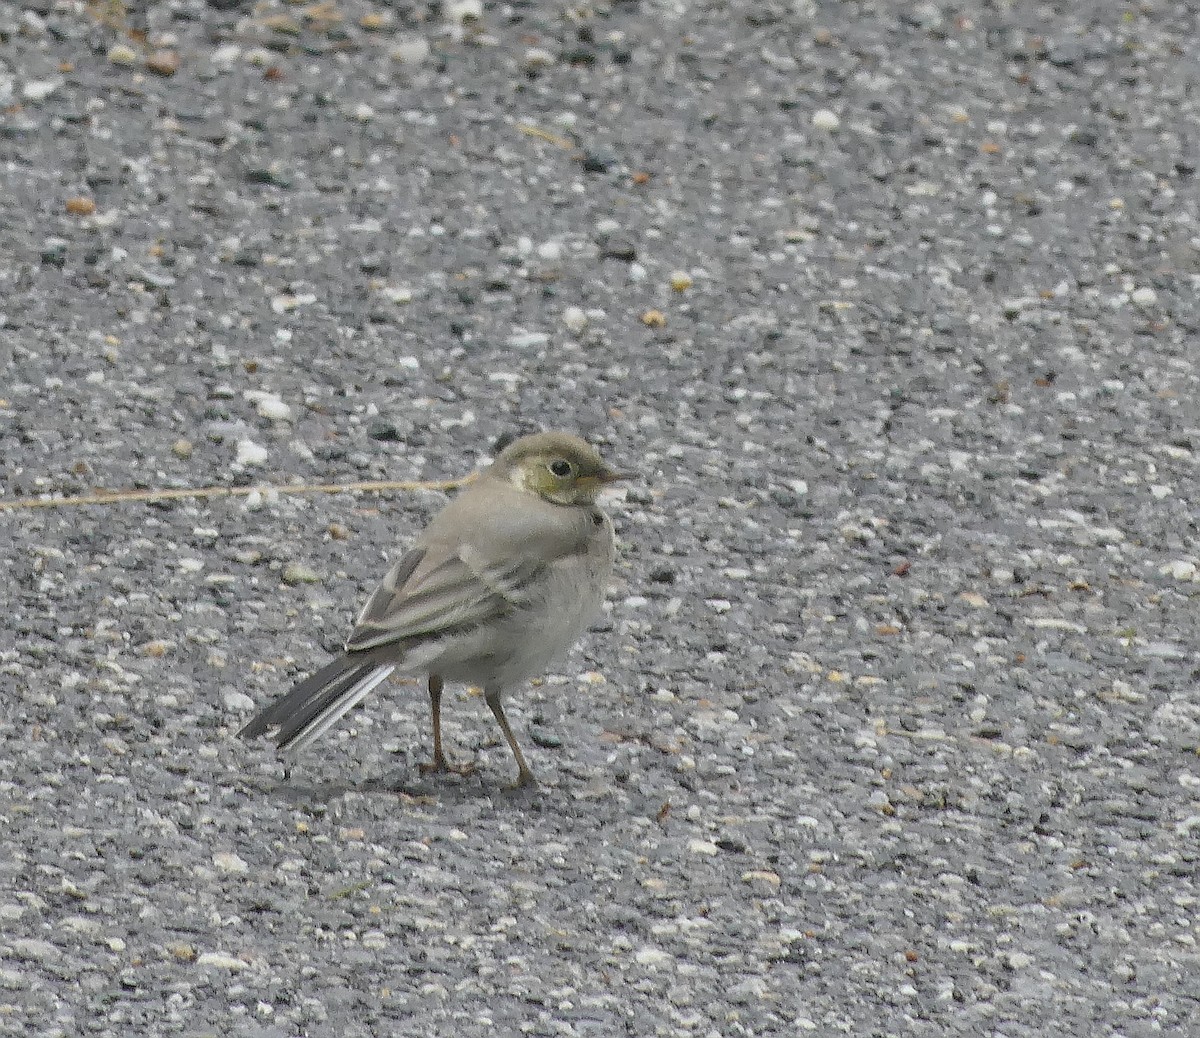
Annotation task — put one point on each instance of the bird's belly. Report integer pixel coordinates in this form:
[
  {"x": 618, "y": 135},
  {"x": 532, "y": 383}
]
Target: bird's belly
[{"x": 522, "y": 644}]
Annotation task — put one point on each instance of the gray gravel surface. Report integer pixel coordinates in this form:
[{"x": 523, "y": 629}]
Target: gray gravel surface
[{"x": 892, "y": 727}]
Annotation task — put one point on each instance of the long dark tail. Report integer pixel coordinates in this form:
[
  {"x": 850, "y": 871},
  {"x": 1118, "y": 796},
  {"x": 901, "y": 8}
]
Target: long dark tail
[{"x": 318, "y": 702}]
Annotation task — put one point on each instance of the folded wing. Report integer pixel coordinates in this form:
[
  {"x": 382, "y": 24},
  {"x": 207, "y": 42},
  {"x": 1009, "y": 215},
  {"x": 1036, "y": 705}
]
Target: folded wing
[{"x": 458, "y": 593}]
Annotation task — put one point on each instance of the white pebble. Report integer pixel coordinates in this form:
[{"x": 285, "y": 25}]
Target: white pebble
[
  {"x": 538, "y": 57},
  {"x": 251, "y": 453},
  {"x": 227, "y": 861},
  {"x": 461, "y": 10},
  {"x": 824, "y": 119},
  {"x": 550, "y": 250},
  {"x": 40, "y": 89},
  {"x": 220, "y": 959},
  {"x": 238, "y": 702},
  {"x": 401, "y": 295},
  {"x": 528, "y": 340},
  {"x": 274, "y": 409},
  {"x": 702, "y": 847},
  {"x": 1159, "y": 491},
  {"x": 31, "y": 948},
  {"x": 575, "y": 319},
  {"x": 1180, "y": 569},
  {"x": 122, "y": 54},
  {"x": 1144, "y": 296},
  {"x": 282, "y": 304},
  {"x": 364, "y": 113},
  {"x": 651, "y": 957},
  {"x": 411, "y": 50},
  {"x": 191, "y": 565}
]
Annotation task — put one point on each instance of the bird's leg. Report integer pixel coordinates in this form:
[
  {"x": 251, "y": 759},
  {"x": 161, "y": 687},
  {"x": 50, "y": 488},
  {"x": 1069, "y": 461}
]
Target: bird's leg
[
  {"x": 524, "y": 775},
  {"x": 439, "y": 762}
]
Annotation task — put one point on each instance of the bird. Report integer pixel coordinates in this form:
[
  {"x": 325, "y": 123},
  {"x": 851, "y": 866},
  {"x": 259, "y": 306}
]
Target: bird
[{"x": 504, "y": 578}]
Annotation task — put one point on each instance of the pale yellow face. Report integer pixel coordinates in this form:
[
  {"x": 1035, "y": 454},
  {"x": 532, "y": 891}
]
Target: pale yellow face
[{"x": 560, "y": 468}]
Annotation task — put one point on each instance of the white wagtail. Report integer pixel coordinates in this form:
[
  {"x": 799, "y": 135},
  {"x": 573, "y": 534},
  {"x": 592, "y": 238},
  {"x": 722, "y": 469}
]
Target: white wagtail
[{"x": 503, "y": 579}]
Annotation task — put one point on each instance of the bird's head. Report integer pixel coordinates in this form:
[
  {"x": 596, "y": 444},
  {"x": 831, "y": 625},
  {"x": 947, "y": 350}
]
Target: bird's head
[{"x": 556, "y": 466}]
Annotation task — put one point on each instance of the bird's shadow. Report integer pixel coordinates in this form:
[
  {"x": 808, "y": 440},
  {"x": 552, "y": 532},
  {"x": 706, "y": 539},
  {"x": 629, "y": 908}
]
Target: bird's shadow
[{"x": 406, "y": 785}]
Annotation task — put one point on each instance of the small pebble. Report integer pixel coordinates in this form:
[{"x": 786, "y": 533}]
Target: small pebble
[
  {"x": 538, "y": 57},
  {"x": 238, "y": 702},
  {"x": 463, "y": 10},
  {"x": 275, "y": 409},
  {"x": 40, "y": 89},
  {"x": 654, "y": 319},
  {"x": 182, "y": 449},
  {"x": 411, "y": 50},
  {"x": 251, "y": 453},
  {"x": 31, "y": 949},
  {"x": 282, "y": 304},
  {"x": 528, "y": 340},
  {"x": 122, "y": 54},
  {"x": 824, "y": 119},
  {"x": 163, "y": 63},
  {"x": 156, "y": 648},
  {"x": 762, "y": 876},
  {"x": 1180, "y": 569},
  {"x": 296, "y": 573},
  {"x": 227, "y": 861},
  {"x": 221, "y": 960},
  {"x": 651, "y": 957},
  {"x": 182, "y": 951},
  {"x": 1144, "y": 296},
  {"x": 681, "y": 281},
  {"x": 575, "y": 319},
  {"x": 401, "y": 295},
  {"x": 376, "y": 21}
]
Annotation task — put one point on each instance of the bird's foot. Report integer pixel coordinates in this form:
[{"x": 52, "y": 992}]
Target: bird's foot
[
  {"x": 525, "y": 781},
  {"x": 441, "y": 766}
]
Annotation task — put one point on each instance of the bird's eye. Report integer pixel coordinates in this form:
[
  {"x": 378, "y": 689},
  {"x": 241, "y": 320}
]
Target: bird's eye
[{"x": 561, "y": 468}]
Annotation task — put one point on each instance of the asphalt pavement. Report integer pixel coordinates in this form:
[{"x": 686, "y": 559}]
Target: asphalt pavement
[{"x": 892, "y": 725}]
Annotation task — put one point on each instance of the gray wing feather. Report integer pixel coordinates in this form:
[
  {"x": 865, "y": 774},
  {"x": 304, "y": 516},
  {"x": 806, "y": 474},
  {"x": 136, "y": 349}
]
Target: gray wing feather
[
  {"x": 382, "y": 597},
  {"x": 459, "y": 593}
]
